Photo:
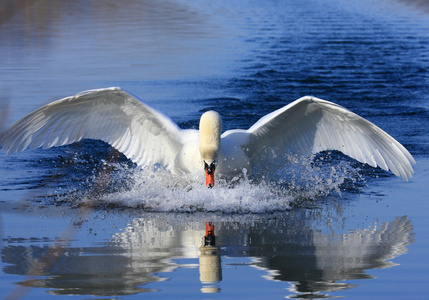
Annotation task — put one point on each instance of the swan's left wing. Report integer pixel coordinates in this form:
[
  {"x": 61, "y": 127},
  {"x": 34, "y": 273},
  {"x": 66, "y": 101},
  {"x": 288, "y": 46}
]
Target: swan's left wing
[
  {"x": 143, "y": 134},
  {"x": 310, "y": 125}
]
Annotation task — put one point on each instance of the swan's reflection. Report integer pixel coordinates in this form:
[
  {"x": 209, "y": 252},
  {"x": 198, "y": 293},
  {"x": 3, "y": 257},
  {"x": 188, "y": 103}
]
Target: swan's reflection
[
  {"x": 210, "y": 262},
  {"x": 286, "y": 245}
]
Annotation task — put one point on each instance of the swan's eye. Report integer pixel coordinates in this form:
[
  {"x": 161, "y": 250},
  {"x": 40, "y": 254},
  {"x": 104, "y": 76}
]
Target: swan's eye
[{"x": 210, "y": 168}]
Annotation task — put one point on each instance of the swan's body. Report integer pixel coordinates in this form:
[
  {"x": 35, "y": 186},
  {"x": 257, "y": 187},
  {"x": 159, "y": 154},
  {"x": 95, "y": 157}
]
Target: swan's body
[{"x": 147, "y": 137}]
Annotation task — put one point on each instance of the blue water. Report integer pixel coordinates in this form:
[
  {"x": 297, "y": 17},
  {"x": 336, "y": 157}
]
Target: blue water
[{"x": 79, "y": 222}]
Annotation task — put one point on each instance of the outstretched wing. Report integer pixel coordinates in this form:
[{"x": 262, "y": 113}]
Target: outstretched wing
[
  {"x": 143, "y": 134},
  {"x": 310, "y": 125}
]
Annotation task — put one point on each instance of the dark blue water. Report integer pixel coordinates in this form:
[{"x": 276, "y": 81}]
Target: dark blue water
[{"x": 82, "y": 220}]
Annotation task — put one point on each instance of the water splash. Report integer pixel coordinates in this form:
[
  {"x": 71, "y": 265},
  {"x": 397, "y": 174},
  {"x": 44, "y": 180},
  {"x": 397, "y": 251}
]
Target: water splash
[
  {"x": 151, "y": 192},
  {"x": 122, "y": 185}
]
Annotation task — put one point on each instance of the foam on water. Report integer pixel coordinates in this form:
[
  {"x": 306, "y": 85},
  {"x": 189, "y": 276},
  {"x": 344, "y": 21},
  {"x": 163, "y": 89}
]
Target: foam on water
[
  {"x": 153, "y": 192},
  {"x": 159, "y": 190}
]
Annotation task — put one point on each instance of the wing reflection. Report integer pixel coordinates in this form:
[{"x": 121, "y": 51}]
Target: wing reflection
[
  {"x": 118, "y": 267},
  {"x": 287, "y": 246},
  {"x": 318, "y": 262},
  {"x": 88, "y": 271}
]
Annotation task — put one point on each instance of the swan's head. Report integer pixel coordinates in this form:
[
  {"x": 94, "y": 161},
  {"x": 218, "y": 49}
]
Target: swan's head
[{"x": 210, "y": 130}]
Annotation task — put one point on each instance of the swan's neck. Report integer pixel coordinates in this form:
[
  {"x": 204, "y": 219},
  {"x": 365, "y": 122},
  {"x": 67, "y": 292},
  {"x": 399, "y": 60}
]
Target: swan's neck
[{"x": 210, "y": 131}]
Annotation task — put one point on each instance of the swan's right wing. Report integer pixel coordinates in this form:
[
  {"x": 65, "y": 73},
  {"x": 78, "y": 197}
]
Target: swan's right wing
[
  {"x": 141, "y": 133},
  {"x": 310, "y": 125}
]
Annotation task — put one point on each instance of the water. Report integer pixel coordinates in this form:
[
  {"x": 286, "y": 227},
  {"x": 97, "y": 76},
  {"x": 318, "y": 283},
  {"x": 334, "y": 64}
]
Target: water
[{"x": 82, "y": 221}]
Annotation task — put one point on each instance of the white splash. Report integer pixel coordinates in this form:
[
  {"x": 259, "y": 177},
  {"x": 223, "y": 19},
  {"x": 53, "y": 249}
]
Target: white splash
[
  {"x": 152, "y": 190},
  {"x": 158, "y": 190}
]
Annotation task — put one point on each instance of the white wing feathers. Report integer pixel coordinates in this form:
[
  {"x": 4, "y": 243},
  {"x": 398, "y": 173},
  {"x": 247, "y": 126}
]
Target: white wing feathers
[
  {"x": 304, "y": 127},
  {"x": 310, "y": 125},
  {"x": 143, "y": 134}
]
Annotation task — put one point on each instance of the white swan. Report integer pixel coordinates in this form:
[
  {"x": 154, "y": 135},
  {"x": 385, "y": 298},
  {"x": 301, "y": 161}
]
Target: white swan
[{"x": 147, "y": 137}]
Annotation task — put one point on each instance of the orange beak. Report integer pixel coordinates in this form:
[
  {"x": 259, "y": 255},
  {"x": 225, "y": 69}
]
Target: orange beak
[
  {"x": 210, "y": 170},
  {"x": 209, "y": 179}
]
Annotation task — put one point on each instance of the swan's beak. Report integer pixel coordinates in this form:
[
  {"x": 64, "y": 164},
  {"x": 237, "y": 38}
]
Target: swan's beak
[
  {"x": 209, "y": 180},
  {"x": 210, "y": 170}
]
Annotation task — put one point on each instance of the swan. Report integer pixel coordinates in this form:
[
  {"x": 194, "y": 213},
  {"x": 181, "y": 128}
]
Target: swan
[{"x": 148, "y": 137}]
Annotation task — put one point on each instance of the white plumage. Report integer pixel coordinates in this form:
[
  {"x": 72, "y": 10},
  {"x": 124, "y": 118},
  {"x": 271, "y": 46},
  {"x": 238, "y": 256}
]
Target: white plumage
[{"x": 146, "y": 136}]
